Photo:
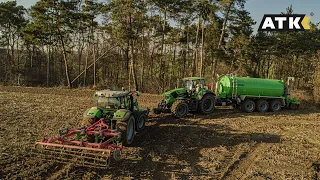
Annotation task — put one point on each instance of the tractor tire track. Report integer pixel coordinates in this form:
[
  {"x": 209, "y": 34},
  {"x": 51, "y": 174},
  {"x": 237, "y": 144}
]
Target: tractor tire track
[
  {"x": 241, "y": 165},
  {"x": 239, "y": 155},
  {"x": 13, "y": 170},
  {"x": 228, "y": 163},
  {"x": 61, "y": 173},
  {"x": 34, "y": 172},
  {"x": 252, "y": 157}
]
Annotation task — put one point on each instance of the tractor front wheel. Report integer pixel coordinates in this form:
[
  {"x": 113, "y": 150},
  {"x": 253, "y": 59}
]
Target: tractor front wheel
[
  {"x": 180, "y": 108},
  {"x": 207, "y": 103},
  {"x": 127, "y": 130}
]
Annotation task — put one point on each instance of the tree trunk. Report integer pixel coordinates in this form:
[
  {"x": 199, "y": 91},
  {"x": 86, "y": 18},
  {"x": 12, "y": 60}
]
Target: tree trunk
[
  {"x": 32, "y": 55},
  {"x": 79, "y": 63},
  {"x": 48, "y": 66},
  {"x": 143, "y": 59},
  {"x": 133, "y": 70},
  {"x": 162, "y": 49},
  {"x": 85, "y": 68},
  {"x": 94, "y": 65},
  {"x": 194, "y": 65},
  {"x": 202, "y": 50},
  {"x": 221, "y": 37},
  {"x": 64, "y": 52}
]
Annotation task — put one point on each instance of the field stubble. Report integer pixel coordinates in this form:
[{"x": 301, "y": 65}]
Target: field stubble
[{"x": 228, "y": 144}]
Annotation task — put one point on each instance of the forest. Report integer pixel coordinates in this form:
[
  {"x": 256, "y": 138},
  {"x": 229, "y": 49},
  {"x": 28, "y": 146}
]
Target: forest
[{"x": 147, "y": 45}]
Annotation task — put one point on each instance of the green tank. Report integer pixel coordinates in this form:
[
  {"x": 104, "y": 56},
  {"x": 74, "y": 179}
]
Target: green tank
[{"x": 249, "y": 87}]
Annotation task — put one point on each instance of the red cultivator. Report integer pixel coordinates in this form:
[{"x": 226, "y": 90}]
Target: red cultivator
[{"x": 79, "y": 145}]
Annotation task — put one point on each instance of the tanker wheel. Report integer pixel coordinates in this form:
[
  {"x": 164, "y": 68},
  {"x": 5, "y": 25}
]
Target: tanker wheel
[
  {"x": 248, "y": 106},
  {"x": 141, "y": 122},
  {"x": 207, "y": 103},
  {"x": 127, "y": 130},
  {"x": 262, "y": 105},
  {"x": 180, "y": 108},
  {"x": 293, "y": 106},
  {"x": 275, "y": 105}
]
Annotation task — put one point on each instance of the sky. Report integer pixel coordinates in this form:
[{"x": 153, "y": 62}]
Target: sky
[{"x": 257, "y": 8}]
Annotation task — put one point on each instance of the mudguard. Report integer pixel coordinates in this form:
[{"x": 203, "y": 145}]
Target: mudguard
[
  {"x": 122, "y": 115},
  {"x": 94, "y": 112},
  {"x": 205, "y": 93},
  {"x": 137, "y": 113}
]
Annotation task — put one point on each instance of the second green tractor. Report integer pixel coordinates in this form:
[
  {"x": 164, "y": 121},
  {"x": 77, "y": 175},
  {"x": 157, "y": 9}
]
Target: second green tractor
[
  {"x": 249, "y": 94},
  {"x": 192, "y": 94}
]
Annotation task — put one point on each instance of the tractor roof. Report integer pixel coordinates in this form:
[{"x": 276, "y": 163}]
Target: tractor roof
[
  {"x": 110, "y": 93},
  {"x": 193, "y": 78}
]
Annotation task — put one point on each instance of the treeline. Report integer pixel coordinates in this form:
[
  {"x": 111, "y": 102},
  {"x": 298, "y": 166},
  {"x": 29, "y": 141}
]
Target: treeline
[{"x": 146, "y": 44}]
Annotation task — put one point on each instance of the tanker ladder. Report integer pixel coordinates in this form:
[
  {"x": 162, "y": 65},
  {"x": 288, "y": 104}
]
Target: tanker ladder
[{"x": 234, "y": 87}]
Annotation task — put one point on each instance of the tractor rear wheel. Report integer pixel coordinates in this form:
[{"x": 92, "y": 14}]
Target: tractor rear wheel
[
  {"x": 127, "y": 130},
  {"x": 262, "y": 105},
  {"x": 180, "y": 108},
  {"x": 275, "y": 105},
  {"x": 141, "y": 122},
  {"x": 248, "y": 106},
  {"x": 207, "y": 103}
]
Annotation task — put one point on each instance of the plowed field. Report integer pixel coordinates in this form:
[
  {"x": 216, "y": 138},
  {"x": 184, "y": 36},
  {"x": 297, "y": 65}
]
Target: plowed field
[{"x": 228, "y": 144}]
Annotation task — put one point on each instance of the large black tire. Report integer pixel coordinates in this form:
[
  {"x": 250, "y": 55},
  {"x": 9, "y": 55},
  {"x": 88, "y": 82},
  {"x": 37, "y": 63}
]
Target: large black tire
[
  {"x": 248, "y": 106},
  {"x": 157, "y": 111},
  {"x": 141, "y": 122},
  {"x": 275, "y": 105},
  {"x": 262, "y": 105},
  {"x": 207, "y": 104},
  {"x": 180, "y": 108},
  {"x": 127, "y": 130}
]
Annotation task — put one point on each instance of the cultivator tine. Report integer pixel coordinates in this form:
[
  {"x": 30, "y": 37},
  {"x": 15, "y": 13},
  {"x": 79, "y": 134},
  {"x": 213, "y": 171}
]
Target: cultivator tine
[
  {"x": 70, "y": 147},
  {"x": 82, "y": 157}
]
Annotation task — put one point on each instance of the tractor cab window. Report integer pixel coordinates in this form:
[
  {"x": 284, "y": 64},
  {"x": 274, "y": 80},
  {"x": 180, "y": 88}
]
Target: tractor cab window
[
  {"x": 130, "y": 104},
  {"x": 125, "y": 102},
  {"x": 108, "y": 102},
  {"x": 198, "y": 83},
  {"x": 202, "y": 83},
  {"x": 187, "y": 84}
]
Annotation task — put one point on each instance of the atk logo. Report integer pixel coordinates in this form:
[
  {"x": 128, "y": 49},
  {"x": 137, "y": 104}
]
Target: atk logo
[{"x": 279, "y": 22}]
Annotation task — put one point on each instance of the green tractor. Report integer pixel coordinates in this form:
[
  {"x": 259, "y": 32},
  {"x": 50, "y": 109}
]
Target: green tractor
[
  {"x": 192, "y": 95},
  {"x": 120, "y": 110}
]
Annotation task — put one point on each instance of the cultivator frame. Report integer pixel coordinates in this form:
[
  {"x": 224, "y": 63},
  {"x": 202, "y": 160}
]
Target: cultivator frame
[{"x": 79, "y": 149}]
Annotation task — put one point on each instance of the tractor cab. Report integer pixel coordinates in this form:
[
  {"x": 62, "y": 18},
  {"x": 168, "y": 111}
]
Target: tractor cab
[
  {"x": 193, "y": 84},
  {"x": 191, "y": 94},
  {"x": 113, "y": 100}
]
